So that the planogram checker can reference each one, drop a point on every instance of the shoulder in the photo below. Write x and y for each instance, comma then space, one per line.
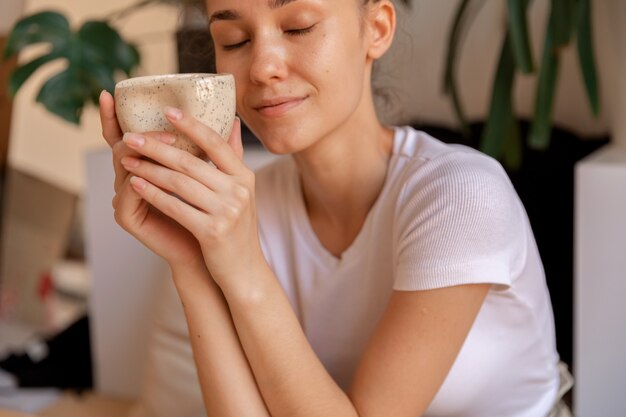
457, 216
434, 172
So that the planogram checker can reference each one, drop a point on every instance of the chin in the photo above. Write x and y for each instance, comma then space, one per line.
283, 139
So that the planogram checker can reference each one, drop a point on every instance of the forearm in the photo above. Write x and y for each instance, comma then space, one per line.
289, 374
228, 385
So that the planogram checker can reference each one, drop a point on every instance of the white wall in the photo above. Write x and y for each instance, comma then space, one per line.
49, 148
11, 9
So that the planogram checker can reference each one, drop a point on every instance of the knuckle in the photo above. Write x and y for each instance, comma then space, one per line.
218, 229
242, 194
118, 149
119, 219
232, 211
180, 182
163, 200
184, 162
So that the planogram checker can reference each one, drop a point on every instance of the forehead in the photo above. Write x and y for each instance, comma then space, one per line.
224, 10
272, 4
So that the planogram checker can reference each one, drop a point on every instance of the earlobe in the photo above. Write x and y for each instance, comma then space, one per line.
382, 26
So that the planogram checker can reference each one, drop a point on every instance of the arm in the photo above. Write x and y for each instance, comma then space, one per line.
415, 344
406, 361
228, 386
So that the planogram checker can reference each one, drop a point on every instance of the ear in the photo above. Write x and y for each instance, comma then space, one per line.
381, 22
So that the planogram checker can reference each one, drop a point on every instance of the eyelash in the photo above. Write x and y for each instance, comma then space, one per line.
293, 32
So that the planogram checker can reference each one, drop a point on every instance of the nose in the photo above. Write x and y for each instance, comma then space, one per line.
268, 61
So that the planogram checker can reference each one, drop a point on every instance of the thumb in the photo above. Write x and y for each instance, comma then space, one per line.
234, 141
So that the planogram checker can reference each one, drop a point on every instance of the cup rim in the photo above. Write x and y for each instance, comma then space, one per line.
154, 79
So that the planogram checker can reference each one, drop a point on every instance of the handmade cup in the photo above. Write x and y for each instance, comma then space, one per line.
210, 98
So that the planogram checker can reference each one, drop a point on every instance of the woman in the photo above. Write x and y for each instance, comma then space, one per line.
375, 272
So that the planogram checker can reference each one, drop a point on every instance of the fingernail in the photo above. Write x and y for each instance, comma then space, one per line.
173, 113
138, 183
134, 140
130, 162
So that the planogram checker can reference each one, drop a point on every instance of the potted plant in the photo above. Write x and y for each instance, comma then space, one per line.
95, 54
569, 21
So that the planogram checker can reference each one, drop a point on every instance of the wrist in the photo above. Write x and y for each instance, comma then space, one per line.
251, 285
189, 272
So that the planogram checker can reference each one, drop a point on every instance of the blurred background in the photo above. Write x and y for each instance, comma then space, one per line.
64, 263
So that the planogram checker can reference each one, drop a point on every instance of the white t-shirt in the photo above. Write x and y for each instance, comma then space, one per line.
447, 215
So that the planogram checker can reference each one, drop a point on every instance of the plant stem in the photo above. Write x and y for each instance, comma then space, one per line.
120, 14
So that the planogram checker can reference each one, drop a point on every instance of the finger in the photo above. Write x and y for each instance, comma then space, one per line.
234, 140
121, 151
171, 206
111, 130
190, 190
216, 148
178, 160
130, 208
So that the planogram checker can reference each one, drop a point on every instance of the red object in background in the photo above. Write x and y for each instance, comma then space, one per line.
46, 286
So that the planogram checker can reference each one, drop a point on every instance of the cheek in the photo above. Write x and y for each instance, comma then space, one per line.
340, 64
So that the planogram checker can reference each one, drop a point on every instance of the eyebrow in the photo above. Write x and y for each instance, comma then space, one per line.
233, 15
276, 4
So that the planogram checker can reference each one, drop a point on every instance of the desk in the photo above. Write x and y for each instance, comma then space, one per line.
73, 405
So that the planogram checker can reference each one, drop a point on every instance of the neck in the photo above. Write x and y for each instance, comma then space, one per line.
343, 174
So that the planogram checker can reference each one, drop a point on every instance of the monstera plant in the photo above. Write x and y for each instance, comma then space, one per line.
569, 21
95, 53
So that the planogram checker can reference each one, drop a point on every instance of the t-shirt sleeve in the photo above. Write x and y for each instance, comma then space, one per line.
459, 221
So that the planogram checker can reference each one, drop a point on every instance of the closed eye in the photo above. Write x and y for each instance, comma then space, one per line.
234, 46
293, 32
298, 32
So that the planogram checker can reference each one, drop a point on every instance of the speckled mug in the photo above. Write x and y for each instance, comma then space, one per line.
210, 98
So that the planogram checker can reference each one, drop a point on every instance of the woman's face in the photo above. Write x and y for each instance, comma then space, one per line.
300, 65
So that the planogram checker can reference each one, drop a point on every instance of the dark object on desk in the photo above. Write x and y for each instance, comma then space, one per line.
61, 361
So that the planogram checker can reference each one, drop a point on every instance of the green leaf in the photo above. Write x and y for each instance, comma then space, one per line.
94, 55
102, 45
64, 95
454, 46
46, 26
98, 79
513, 149
501, 111
546, 86
586, 54
23, 72
561, 21
518, 30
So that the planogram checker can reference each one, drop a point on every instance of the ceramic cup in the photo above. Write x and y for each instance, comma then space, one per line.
210, 98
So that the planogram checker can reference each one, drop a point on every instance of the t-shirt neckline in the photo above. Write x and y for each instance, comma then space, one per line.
302, 224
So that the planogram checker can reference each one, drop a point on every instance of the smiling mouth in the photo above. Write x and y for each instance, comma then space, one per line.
280, 106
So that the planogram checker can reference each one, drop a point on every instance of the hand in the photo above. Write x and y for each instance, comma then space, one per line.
214, 203
158, 232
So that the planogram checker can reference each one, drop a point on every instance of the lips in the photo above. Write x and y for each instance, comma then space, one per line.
278, 106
